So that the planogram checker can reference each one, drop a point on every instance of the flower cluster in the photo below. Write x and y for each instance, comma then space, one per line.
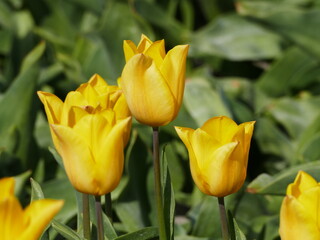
90, 130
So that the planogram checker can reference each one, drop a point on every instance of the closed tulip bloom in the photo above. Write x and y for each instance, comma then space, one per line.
300, 210
153, 81
90, 130
218, 153
17, 223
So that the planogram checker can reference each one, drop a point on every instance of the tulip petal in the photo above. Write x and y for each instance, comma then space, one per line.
77, 158
144, 44
10, 214
221, 128
173, 70
148, 95
111, 158
157, 52
224, 175
302, 182
52, 105
7, 187
37, 216
295, 222
129, 49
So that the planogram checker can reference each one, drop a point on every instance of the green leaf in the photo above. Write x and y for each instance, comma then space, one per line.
20, 181
202, 101
277, 185
132, 206
149, 233
206, 218
235, 231
297, 26
65, 231
296, 69
168, 197
36, 191
235, 38
16, 126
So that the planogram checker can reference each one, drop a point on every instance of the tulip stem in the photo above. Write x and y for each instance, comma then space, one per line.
223, 219
86, 216
157, 184
99, 218
108, 206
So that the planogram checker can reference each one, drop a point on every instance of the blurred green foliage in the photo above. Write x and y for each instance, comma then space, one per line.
249, 60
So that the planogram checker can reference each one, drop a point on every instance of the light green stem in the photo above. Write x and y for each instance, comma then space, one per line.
223, 219
86, 216
99, 218
157, 184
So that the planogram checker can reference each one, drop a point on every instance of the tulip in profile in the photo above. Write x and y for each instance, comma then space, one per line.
300, 210
90, 130
17, 223
218, 153
153, 80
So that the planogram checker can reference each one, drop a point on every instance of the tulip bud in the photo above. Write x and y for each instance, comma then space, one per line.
153, 81
218, 153
300, 209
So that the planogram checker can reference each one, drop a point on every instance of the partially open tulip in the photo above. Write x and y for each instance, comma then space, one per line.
90, 130
17, 223
153, 81
218, 153
300, 210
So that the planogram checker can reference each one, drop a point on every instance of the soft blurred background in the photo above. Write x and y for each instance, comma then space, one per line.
249, 60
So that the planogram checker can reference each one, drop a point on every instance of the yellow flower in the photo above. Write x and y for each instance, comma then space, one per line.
17, 223
153, 81
90, 130
300, 210
218, 153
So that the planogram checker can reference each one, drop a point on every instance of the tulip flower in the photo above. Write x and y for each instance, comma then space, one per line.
300, 210
153, 81
17, 223
218, 153
90, 130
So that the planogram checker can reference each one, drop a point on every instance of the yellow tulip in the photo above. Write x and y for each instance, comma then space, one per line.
218, 153
90, 130
17, 223
300, 210
153, 81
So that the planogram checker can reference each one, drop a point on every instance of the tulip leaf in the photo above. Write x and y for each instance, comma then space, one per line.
20, 181
272, 140
65, 231
16, 126
298, 27
206, 220
33, 56
235, 231
36, 191
133, 206
295, 69
235, 38
191, 238
202, 101
148, 233
277, 185
168, 197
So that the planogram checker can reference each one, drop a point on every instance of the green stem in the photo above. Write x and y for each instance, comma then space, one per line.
86, 216
108, 206
157, 184
223, 219
99, 218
